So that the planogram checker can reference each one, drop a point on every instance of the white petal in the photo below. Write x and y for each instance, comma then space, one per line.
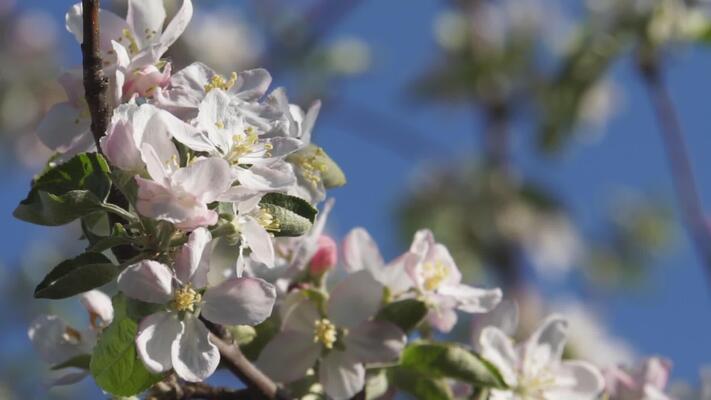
341, 375
355, 299
544, 348
360, 251
288, 356
252, 84
194, 356
146, 18
206, 178
157, 169
442, 317
472, 300
69, 378
48, 334
176, 27
148, 281
120, 148
98, 303
577, 380
375, 341
309, 244
239, 301
112, 25
154, 340
278, 176
62, 126
307, 125
499, 349
193, 260
396, 275
258, 240
298, 313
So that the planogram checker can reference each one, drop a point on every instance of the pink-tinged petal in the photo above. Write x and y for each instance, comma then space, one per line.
54, 340
278, 176
186, 90
577, 380
146, 20
355, 299
470, 299
288, 356
422, 242
309, 244
442, 317
504, 316
439, 253
157, 134
245, 200
375, 342
183, 132
62, 126
148, 281
251, 84
498, 349
193, 260
299, 314
206, 178
396, 275
99, 306
144, 81
69, 378
341, 375
122, 59
177, 26
360, 251
239, 301
120, 148
154, 340
194, 356
544, 348
326, 256
155, 166
258, 240
186, 212
73, 83
656, 372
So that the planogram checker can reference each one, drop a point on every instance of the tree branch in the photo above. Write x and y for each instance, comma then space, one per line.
95, 83
171, 389
682, 173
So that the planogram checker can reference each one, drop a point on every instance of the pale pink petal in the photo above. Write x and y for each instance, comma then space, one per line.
470, 299
288, 356
206, 178
98, 304
258, 240
50, 338
355, 299
360, 251
120, 148
341, 375
193, 260
396, 275
194, 356
146, 20
298, 313
442, 317
375, 342
277, 176
62, 126
251, 84
154, 340
656, 372
239, 301
148, 281
498, 349
546, 344
577, 380
112, 26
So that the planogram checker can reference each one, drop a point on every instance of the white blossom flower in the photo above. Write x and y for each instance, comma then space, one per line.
647, 382
533, 370
175, 337
342, 340
438, 279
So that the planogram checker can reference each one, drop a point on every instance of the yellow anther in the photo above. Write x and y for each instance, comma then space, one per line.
218, 82
71, 335
267, 220
242, 144
220, 125
434, 273
132, 45
325, 333
185, 299
312, 167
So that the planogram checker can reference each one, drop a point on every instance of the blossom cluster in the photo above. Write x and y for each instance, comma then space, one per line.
207, 162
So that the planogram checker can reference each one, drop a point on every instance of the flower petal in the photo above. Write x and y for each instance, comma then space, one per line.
442, 316
148, 281
251, 84
239, 301
206, 178
355, 299
375, 341
288, 356
544, 348
146, 18
193, 260
360, 251
69, 378
62, 126
98, 304
277, 176
472, 300
298, 313
154, 341
258, 240
51, 339
499, 349
577, 380
341, 375
194, 356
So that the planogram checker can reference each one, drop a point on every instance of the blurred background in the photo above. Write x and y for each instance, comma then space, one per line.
523, 132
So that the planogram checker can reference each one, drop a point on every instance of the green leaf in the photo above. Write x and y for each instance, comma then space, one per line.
77, 275
406, 314
66, 192
419, 385
292, 203
114, 364
289, 223
81, 361
441, 360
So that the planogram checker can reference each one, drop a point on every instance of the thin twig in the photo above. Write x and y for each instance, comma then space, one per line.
682, 172
172, 389
95, 83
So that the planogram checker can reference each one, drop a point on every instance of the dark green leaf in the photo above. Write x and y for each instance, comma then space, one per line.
77, 275
66, 192
419, 385
406, 314
451, 361
292, 203
81, 361
289, 223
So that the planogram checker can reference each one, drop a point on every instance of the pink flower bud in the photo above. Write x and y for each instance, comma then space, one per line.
145, 81
326, 256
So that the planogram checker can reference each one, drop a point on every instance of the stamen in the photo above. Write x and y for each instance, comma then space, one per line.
434, 273
218, 82
185, 299
325, 333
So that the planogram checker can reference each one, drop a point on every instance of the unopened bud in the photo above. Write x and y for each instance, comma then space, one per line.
325, 258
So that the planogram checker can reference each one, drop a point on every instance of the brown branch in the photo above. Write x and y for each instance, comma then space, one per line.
95, 83
693, 214
171, 389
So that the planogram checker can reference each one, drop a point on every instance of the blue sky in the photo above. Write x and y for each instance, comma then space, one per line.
670, 315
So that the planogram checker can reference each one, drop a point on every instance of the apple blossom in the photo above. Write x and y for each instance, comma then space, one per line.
175, 337
325, 258
342, 340
647, 382
533, 370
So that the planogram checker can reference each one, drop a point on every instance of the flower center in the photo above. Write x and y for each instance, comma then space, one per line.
325, 333
185, 298
267, 220
242, 144
312, 167
219, 82
534, 387
434, 273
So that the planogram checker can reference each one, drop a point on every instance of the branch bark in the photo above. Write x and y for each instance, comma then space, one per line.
693, 214
95, 83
